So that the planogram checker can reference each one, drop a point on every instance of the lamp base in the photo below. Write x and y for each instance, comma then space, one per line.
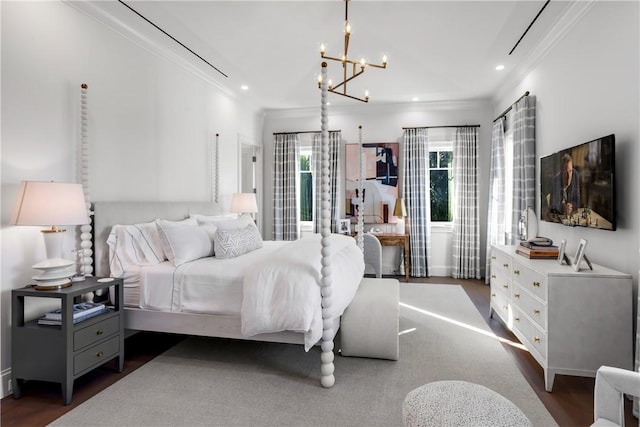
55, 273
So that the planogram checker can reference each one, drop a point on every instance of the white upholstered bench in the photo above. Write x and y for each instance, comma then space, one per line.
459, 403
369, 326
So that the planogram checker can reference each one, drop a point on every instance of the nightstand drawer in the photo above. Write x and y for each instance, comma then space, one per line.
96, 355
96, 332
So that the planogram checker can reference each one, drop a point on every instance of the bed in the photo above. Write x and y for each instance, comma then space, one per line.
186, 299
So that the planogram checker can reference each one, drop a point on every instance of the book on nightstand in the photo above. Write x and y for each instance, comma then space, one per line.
81, 311
538, 252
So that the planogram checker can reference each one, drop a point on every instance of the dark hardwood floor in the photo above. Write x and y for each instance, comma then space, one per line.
570, 403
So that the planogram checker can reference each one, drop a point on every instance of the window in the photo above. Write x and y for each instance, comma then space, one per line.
306, 186
441, 184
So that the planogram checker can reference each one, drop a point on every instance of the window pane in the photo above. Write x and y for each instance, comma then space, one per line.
306, 197
440, 203
305, 161
446, 159
433, 159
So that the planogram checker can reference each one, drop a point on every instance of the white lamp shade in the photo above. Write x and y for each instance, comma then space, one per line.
244, 203
49, 204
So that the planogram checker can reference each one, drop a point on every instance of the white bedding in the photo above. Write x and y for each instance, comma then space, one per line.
274, 288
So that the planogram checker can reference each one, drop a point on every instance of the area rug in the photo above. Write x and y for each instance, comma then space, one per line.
219, 382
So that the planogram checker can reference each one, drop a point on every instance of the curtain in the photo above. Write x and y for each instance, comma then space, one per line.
285, 186
466, 214
415, 187
524, 160
335, 163
495, 216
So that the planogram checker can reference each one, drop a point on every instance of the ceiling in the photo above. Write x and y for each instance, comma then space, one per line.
437, 50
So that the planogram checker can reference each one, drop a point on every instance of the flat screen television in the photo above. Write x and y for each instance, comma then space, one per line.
577, 185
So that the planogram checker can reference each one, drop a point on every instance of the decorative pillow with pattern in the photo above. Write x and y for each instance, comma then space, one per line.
235, 242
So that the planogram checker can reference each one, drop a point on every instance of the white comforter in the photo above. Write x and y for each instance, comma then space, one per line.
282, 293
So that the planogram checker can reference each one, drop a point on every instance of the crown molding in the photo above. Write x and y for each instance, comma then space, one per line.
405, 107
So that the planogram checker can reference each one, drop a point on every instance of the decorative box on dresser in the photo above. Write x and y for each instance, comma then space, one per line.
62, 353
572, 322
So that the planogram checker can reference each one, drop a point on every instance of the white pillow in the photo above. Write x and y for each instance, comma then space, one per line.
226, 222
234, 242
147, 240
185, 241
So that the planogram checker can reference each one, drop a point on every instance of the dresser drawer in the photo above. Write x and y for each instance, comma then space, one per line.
500, 304
530, 280
96, 332
531, 336
96, 355
500, 264
530, 305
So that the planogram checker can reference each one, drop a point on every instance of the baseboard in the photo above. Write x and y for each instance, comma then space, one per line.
5, 383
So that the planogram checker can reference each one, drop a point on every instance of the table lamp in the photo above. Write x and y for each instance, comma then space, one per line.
400, 211
244, 203
51, 204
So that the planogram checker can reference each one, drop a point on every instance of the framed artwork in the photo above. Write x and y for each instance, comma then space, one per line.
344, 225
380, 180
577, 260
561, 255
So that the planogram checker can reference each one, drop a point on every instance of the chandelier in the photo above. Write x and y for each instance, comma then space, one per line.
350, 68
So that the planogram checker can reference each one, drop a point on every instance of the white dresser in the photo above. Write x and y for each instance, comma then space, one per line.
572, 322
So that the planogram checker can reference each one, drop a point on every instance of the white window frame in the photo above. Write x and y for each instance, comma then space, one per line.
442, 145
306, 143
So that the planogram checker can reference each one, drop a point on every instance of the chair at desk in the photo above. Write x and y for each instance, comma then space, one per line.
373, 253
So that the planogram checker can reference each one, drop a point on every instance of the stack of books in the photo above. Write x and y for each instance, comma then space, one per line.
81, 311
534, 251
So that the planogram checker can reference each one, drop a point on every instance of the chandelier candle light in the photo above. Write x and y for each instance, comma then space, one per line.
350, 68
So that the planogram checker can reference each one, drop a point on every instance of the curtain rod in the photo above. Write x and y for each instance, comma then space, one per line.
439, 127
302, 131
504, 113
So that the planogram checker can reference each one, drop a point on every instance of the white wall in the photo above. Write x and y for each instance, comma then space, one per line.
384, 123
151, 123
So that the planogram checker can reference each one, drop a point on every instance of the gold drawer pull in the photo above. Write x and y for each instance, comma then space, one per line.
505, 265
516, 272
505, 307
99, 332
505, 286
493, 276
517, 319
536, 284
516, 295
493, 295
536, 311
99, 354
536, 339
493, 257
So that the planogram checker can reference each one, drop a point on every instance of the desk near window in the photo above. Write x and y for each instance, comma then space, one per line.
394, 239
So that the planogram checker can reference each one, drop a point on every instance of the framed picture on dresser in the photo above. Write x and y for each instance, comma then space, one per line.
561, 254
577, 260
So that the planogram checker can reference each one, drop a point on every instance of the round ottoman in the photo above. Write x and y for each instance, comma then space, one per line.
459, 403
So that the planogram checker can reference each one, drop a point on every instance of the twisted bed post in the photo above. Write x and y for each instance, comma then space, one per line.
360, 216
326, 368
86, 236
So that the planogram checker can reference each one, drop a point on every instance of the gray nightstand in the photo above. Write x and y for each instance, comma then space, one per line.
63, 353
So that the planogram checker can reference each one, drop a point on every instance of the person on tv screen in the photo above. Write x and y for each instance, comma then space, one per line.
565, 198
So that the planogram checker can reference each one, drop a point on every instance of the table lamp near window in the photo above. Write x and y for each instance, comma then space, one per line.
51, 204
244, 203
401, 212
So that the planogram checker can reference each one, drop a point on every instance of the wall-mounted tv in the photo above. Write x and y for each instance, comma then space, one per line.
577, 185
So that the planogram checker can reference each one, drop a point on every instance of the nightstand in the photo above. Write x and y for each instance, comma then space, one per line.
62, 353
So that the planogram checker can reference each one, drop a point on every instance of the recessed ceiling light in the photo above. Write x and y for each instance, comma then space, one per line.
415, 98
499, 67
244, 87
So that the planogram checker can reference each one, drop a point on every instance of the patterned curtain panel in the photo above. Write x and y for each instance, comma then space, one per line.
524, 160
495, 217
335, 165
415, 185
466, 214
285, 186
